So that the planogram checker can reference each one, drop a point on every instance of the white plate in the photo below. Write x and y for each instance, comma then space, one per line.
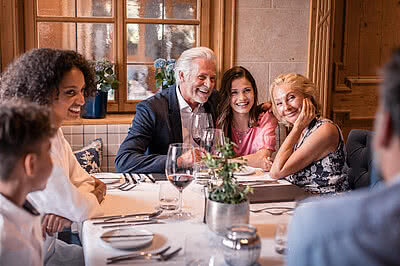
246, 170
110, 179
130, 242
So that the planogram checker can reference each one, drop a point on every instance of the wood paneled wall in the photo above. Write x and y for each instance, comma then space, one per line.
365, 32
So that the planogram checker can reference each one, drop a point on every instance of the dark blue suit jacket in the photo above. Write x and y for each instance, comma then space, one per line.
157, 124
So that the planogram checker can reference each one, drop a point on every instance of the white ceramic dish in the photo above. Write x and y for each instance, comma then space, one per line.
110, 179
128, 238
246, 170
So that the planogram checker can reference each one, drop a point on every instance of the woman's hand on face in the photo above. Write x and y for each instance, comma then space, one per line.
307, 114
53, 223
100, 189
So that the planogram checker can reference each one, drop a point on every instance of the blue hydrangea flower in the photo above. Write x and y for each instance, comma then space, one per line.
160, 63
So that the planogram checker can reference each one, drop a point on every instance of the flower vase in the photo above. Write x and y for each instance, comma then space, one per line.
95, 107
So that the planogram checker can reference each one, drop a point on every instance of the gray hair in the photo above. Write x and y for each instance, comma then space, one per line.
185, 61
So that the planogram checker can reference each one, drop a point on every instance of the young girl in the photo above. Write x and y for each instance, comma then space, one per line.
242, 121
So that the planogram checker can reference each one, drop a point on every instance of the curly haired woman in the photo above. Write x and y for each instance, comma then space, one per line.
58, 79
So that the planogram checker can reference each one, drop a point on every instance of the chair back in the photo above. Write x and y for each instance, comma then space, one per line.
359, 157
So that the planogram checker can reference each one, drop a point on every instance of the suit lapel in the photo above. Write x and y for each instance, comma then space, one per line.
174, 116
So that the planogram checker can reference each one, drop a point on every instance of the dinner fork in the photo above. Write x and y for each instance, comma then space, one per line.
132, 255
160, 257
131, 184
126, 183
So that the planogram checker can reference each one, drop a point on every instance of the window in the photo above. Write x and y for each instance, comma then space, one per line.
130, 33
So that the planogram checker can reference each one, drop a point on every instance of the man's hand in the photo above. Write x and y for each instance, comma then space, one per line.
99, 189
53, 223
189, 157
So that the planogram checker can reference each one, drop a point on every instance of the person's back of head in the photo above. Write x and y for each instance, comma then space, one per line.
386, 141
390, 90
23, 127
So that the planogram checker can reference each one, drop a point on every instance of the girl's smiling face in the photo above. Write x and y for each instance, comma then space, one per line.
67, 104
242, 96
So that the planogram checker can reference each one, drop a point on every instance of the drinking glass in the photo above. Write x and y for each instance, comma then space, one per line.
200, 122
211, 139
281, 238
179, 170
168, 197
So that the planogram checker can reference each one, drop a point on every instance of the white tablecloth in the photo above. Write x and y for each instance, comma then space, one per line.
144, 198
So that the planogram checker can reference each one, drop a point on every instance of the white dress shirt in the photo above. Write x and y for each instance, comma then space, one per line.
186, 117
21, 239
68, 191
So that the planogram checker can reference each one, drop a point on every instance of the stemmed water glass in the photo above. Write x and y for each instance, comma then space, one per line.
200, 122
179, 170
212, 139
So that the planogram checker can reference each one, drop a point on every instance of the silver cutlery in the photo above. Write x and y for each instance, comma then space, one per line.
280, 212
151, 178
149, 214
133, 179
160, 257
135, 254
126, 236
126, 182
272, 208
128, 185
129, 224
146, 219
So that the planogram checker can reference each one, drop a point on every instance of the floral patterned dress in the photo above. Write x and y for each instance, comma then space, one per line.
326, 175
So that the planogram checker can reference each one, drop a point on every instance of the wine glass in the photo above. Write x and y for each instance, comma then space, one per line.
179, 169
212, 138
200, 122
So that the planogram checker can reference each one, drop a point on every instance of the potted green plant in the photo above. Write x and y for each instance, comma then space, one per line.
106, 80
227, 201
164, 73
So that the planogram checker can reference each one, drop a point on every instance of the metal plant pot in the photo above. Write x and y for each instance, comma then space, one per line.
221, 216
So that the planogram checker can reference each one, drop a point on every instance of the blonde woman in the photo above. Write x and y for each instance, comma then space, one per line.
312, 155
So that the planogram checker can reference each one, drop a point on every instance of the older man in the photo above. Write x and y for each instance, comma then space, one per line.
362, 227
165, 117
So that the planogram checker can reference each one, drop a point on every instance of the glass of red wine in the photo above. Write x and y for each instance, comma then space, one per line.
200, 122
179, 170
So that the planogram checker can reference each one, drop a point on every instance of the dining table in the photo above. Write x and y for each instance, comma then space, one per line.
173, 231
